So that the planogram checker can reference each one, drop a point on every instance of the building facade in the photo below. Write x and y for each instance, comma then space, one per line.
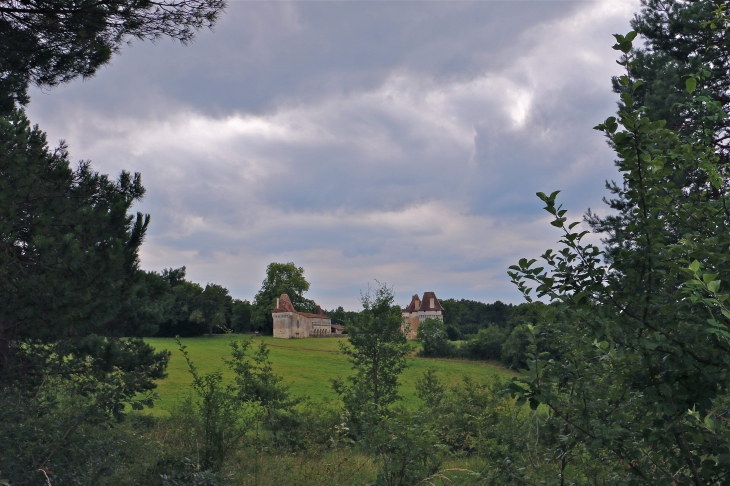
419, 310
288, 323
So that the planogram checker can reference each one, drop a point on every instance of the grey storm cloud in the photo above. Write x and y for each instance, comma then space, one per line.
402, 141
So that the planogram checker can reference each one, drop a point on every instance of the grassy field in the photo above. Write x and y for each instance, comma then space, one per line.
306, 365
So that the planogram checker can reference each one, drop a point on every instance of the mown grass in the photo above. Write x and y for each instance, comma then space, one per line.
307, 366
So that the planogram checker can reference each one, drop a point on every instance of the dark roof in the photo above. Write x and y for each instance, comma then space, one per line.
285, 305
412, 307
426, 302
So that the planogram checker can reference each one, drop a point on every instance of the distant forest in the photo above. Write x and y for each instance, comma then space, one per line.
166, 304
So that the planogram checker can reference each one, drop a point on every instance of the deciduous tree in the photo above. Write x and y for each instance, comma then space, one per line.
281, 278
432, 334
377, 351
646, 353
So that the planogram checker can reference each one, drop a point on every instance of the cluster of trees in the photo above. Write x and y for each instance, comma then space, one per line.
341, 316
499, 332
464, 317
166, 304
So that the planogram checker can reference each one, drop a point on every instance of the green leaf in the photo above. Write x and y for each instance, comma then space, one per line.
693, 413
694, 266
714, 286
691, 85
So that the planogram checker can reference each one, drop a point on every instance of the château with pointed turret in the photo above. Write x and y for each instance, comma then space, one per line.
419, 310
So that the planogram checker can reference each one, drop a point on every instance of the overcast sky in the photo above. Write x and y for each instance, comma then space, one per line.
398, 141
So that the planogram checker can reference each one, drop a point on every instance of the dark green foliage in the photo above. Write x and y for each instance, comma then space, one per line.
686, 43
341, 316
69, 268
256, 382
507, 343
429, 389
377, 350
468, 316
469, 414
514, 445
150, 303
310, 426
183, 308
407, 448
682, 37
53, 436
69, 248
281, 278
216, 307
215, 414
515, 348
432, 334
48, 42
644, 342
188, 473
487, 344
454, 333
241, 316
69, 261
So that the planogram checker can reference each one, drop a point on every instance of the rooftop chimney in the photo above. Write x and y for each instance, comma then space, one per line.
277, 302
432, 304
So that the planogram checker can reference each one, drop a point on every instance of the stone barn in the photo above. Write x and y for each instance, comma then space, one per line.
288, 323
419, 310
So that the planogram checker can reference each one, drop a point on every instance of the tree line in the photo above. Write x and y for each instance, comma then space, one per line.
165, 304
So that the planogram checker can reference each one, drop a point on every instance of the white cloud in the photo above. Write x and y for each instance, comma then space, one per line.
389, 140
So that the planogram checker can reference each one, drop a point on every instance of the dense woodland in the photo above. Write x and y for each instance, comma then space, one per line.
625, 346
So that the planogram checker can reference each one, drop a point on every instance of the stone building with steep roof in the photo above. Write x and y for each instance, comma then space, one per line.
419, 310
288, 323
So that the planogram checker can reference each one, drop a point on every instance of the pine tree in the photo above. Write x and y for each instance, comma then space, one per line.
68, 259
47, 42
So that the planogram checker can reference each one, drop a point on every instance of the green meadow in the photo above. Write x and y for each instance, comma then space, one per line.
307, 366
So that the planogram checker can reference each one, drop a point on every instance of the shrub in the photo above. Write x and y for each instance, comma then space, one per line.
487, 344
432, 334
